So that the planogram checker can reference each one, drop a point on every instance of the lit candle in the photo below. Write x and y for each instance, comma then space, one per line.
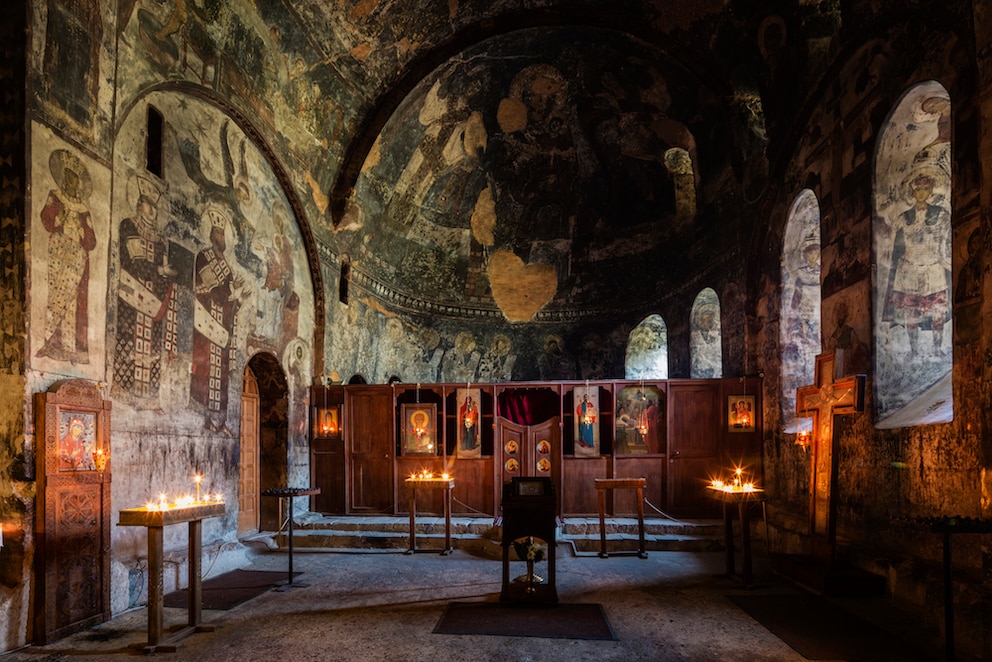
444, 476
197, 479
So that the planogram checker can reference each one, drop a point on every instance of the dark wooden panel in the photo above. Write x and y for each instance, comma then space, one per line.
578, 492
473, 492
695, 430
327, 460
649, 467
512, 441
369, 414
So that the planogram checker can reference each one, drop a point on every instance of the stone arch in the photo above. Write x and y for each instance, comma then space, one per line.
288, 188
273, 432
222, 208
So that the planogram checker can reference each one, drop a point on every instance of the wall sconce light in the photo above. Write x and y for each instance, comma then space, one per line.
100, 461
804, 436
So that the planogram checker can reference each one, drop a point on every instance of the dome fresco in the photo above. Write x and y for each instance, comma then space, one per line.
535, 158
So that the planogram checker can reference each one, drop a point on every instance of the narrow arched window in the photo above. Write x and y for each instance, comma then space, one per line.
647, 350
153, 141
705, 340
912, 247
679, 164
344, 279
799, 319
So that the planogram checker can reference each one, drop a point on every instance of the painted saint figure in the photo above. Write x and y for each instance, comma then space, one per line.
146, 289
70, 242
468, 415
217, 293
919, 283
76, 448
587, 418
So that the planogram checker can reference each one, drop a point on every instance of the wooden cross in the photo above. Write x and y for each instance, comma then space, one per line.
829, 396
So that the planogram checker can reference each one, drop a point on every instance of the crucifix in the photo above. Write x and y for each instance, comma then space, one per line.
830, 395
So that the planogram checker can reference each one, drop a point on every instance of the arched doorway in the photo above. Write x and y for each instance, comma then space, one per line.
248, 496
264, 442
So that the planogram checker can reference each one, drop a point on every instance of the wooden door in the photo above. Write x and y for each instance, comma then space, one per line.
694, 430
248, 496
530, 451
327, 456
369, 443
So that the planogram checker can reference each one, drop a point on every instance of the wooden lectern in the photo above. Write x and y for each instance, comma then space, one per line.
529, 511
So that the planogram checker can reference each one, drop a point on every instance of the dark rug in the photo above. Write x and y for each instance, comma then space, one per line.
819, 630
562, 621
231, 588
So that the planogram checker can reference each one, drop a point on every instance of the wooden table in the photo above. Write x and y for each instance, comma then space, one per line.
743, 499
439, 483
603, 484
289, 493
155, 521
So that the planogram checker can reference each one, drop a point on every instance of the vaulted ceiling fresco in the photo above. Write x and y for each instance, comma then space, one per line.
516, 155
534, 163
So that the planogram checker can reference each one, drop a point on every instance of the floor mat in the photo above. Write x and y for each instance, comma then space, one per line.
230, 589
562, 621
819, 630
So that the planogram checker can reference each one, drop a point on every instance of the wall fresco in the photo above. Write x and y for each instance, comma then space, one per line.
799, 329
530, 181
206, 267
706, 336
68, 257
647, 351
72, 54
912, 240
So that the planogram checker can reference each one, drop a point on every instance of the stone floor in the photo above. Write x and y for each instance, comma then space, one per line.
383, 605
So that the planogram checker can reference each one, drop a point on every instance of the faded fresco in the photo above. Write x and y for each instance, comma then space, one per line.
845, 332
799, 329
69, 257
705, 340
912, 242
73, 52
379, 346
206, 268
647, 350
468, 178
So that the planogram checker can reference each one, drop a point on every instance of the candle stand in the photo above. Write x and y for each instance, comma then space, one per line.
289, 493
743, 499
155, 521
603, 484
415, 483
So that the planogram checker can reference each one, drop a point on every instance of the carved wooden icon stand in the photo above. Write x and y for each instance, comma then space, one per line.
72, 526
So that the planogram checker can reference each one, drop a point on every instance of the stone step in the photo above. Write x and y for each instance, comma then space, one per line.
575, 535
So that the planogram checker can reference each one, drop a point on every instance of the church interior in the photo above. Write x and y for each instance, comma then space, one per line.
359, 254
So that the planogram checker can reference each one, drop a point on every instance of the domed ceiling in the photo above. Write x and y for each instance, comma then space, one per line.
509, 159
540, 168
